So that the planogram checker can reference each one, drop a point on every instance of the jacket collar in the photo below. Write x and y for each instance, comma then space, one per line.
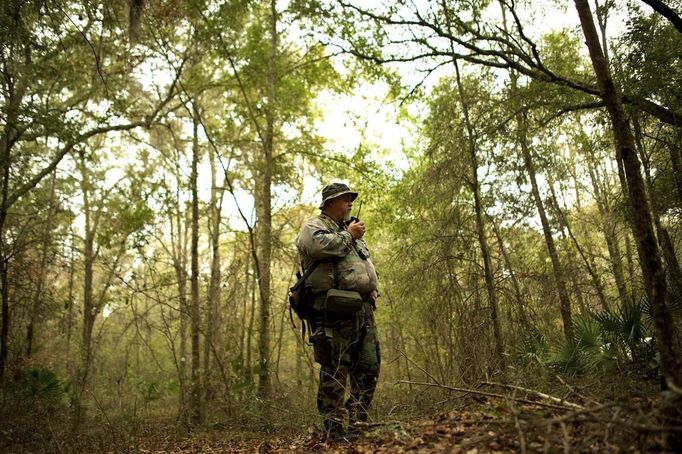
329, 219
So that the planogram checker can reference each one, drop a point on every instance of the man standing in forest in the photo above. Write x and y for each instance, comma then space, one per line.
342, 290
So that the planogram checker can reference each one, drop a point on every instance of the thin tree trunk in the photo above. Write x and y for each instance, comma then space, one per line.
602, 16
589, 264
676, 161
4, 295
674, 274
523, 317
642, 222
89, 309
559, 276
81, 373
630, 260
672, 266
4, 253
245, 309
69, 308
299, 363
42, 270
264, 207
280, 340
19, 45
480, 226
249, 331
570, 265
195, 319
609, 229
214, 290
179, 252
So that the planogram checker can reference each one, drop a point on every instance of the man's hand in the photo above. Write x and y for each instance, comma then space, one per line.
356, 229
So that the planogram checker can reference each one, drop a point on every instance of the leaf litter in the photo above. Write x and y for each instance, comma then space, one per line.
481, 428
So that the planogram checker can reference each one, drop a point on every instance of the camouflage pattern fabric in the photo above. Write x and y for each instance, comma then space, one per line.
322, 238
346, 349
349, 357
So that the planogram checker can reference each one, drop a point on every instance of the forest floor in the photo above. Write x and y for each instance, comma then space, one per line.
485, 426
492, 418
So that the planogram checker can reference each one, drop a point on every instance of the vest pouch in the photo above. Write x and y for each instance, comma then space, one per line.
342, 303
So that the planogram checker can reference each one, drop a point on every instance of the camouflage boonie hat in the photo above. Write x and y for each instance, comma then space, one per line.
334, 190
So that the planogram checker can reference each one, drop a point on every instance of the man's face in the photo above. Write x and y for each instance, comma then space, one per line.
341, 206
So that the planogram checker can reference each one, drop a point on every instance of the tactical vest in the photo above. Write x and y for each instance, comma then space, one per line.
354, 271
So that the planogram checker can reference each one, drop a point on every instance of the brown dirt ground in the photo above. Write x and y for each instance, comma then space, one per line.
486, 427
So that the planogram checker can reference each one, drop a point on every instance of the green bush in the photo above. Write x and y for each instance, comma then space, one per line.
40, 383
586, 352
531, 348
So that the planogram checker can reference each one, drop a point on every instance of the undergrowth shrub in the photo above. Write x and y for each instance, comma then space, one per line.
621, 337
584, 353
31, 404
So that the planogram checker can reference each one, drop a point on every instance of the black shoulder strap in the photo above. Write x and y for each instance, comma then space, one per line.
301, 282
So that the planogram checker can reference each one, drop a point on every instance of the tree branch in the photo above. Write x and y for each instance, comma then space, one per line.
667, 12
487, 394
537, 393
502, 52
149, 119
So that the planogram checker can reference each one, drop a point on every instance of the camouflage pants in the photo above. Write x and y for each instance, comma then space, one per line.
349, 352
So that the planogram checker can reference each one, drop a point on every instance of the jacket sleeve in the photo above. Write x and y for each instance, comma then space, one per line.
317, 241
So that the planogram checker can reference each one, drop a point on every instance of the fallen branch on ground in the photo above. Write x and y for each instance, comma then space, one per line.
487, 394
537, 393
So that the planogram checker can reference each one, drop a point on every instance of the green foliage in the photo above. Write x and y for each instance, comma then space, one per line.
651, 48
624, 326
532, 347
585, 353
40, 383
602, 340
433, 312
149, 391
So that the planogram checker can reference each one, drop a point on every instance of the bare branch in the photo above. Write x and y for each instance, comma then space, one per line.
487, 394
488, 49
537, 393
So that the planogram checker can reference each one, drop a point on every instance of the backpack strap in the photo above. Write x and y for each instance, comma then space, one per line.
299, 287
301, 281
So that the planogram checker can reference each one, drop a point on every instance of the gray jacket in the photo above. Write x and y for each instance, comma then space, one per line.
321, 238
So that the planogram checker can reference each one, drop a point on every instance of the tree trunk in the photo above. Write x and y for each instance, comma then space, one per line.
521, 308
89, 309
559, 276
42, 270
676, 161
249, 330
264, 211
214, 290
69, 307
672, 266
642, 222
179, 252
630, 261
18, 43
674, 273
480, 226
4, 253
195, 412
245, 297
609, 229
4, 295
589, 264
